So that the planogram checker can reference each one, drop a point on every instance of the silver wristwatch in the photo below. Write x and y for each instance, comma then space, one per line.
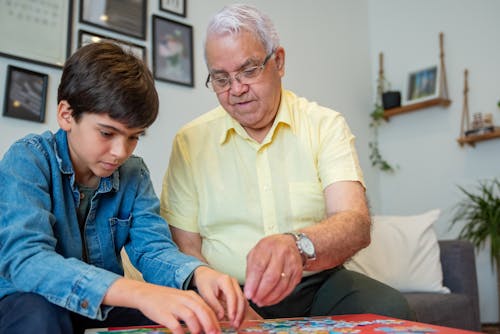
305, 247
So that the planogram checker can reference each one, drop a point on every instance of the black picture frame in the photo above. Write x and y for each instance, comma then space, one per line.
36, 31
177, 7
172, 51
126, 17
25, 94
85, 37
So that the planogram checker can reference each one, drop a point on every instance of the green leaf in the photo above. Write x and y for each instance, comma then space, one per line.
480, 211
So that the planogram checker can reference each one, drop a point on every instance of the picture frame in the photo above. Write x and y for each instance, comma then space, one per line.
127, 17
25, 94
86, 37
36, 31
172, 51
177, 7
422, 84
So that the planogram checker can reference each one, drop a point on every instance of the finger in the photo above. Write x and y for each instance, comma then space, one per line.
283, 289
212, 299
256, 266
173, 324
238, 309
192, 322
199, 317
270, 281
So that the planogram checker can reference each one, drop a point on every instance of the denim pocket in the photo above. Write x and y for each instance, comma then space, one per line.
120, 230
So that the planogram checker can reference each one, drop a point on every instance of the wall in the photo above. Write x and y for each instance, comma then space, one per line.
423, 143
320, 63
332, 48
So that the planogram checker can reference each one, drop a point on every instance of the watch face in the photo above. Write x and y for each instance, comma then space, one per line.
307, 246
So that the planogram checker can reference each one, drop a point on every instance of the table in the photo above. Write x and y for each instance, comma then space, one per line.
353, 323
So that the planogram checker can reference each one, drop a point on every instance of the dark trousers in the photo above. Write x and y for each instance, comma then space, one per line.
31, 313
339, 291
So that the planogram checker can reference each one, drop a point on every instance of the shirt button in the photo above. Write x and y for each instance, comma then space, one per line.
84, 304
82, 195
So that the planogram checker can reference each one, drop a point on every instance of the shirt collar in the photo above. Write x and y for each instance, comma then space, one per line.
232, 127
107, 184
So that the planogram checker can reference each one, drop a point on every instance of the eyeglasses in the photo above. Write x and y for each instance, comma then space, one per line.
221, 82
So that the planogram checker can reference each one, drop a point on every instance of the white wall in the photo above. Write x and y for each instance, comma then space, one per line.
332, 48
322, 65
423, 143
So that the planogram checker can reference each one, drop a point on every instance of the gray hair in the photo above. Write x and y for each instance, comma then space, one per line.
237, 17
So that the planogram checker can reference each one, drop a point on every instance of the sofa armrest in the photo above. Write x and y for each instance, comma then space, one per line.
459, 269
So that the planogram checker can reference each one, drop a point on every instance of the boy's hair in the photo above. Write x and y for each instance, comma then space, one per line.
103, 78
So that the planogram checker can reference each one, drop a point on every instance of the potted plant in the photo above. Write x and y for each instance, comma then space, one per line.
377, 118
480, 210
376, 158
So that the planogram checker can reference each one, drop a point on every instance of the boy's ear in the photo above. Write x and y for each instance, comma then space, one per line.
64, 115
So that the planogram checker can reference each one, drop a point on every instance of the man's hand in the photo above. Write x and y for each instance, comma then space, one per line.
222, 293
274, 268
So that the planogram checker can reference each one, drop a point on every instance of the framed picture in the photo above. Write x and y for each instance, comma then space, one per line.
126, 17
177, 7
86, 37
36, 31
25, 94
172, 51
422, 85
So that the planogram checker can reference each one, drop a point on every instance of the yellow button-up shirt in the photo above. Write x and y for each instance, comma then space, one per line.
234, 191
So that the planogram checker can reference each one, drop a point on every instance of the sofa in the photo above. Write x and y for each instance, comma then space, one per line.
460, 307
437, 277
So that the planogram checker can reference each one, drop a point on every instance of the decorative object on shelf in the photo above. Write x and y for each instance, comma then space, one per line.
442, 87
86, 37
25, 94
422, 85
377, 118
177, 7
172, 51
36, 31
391, 99
482, 125
126, 17
480, 210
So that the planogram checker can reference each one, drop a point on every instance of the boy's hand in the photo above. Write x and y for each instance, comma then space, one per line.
165, 306
222, 293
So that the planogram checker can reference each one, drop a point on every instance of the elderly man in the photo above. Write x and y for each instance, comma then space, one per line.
267, 186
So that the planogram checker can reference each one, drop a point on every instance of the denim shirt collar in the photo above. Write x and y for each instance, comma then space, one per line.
107, 184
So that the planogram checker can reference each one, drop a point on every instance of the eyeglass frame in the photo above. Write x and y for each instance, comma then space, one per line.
236, 76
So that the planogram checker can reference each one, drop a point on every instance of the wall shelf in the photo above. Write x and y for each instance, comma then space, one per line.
442, 100
472, 139
439, 101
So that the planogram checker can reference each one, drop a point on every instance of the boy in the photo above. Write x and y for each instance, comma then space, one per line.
70, 201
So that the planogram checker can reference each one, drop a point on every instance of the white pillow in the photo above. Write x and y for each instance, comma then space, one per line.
403, 253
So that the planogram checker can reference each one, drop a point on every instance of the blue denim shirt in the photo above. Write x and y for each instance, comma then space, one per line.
40, 243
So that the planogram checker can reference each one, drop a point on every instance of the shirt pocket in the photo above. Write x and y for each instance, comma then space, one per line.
307, 204
120, 230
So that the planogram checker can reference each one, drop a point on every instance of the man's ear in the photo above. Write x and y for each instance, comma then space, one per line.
64, 115
280, 60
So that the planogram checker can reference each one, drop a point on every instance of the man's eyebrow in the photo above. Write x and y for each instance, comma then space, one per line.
249, 61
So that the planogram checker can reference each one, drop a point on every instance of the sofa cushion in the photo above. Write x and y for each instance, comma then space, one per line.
403, 253
452, 309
